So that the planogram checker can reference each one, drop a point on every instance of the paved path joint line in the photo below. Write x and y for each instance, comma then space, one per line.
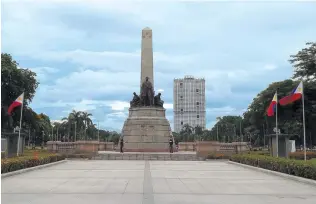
148, 196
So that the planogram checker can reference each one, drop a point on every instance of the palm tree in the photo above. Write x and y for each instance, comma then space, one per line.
75, 118
87, 121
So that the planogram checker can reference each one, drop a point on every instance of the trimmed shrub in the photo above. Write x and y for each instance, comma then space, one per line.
17, 163
217, 156
79, 156
289, 166
300, 155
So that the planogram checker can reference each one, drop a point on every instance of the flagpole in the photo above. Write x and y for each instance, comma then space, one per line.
304, 131
18, 148
276, 126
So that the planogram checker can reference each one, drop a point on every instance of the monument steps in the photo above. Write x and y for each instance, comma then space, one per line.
160, 156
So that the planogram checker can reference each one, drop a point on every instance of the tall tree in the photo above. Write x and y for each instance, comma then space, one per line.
87, 121
14, 81
304, 62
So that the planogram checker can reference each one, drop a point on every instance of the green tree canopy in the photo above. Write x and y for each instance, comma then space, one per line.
257, 123
304, 62
15, 80
227, 129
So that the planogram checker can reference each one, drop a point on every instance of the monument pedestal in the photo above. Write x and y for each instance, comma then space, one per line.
284, 145
9, 143
146, 130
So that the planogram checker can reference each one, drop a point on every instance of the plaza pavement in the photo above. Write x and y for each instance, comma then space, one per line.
152, 182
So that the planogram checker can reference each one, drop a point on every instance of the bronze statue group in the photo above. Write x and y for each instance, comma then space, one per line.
147, 97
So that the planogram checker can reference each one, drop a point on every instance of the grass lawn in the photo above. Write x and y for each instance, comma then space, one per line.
313, 161
30, 158
29, 154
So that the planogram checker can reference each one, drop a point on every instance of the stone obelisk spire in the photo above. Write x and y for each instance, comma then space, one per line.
147, 68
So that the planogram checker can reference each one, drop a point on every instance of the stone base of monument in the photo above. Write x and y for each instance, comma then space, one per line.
146, 130
162, 156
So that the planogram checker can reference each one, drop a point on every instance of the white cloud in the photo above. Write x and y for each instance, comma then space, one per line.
270, 67
44, 69
119, 105
222, 111
43, 73
168, 106
226, 109
110, 60
117, 115
85, 105
56, 121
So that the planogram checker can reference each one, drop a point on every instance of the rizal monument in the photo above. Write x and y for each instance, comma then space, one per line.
146, 129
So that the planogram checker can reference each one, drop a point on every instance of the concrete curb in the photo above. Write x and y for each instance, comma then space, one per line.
275, 173
21, 171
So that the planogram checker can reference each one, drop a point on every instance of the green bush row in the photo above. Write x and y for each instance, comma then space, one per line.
289, 166
79, 156
14, 164
217, 156
300, 155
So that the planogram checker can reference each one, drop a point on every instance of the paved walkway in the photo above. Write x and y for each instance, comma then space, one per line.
149, 182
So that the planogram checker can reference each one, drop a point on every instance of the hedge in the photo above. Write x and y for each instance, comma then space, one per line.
289, 166
79, 156
217, 156
17, 163
300, 155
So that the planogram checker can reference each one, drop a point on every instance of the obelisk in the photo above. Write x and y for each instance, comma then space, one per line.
146, 129
147, 67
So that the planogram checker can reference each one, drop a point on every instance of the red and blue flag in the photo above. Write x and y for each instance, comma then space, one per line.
295, 95
273, 105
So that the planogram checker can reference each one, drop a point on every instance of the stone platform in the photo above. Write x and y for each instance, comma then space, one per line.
146, 130
162, 156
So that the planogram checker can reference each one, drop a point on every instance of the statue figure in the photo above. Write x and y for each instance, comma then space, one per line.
136, 101
147, 93
158, 101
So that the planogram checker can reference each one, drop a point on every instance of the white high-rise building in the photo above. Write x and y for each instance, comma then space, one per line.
189, 102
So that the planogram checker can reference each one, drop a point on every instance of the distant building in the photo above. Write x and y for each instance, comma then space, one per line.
189, 102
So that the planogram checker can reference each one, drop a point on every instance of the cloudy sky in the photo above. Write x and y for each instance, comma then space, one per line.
87, 53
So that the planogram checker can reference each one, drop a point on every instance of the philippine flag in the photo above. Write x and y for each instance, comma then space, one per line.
272, 107
295, 95
16, 103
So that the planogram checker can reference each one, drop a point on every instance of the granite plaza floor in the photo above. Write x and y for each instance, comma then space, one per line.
152, 182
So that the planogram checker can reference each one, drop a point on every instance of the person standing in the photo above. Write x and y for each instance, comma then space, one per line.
121, 145
171, 145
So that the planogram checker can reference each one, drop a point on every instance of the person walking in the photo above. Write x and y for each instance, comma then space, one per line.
171, 145
121, 145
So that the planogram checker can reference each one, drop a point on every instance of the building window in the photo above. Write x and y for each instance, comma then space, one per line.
181, 109
181, 85
181, 97
181, 122
198, 116
197, 90
197, 103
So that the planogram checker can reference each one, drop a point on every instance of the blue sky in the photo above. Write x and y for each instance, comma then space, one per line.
87, 53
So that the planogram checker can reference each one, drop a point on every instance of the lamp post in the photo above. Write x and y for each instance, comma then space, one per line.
217, 121
75, 138
98, 131
53, 132
241, 136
